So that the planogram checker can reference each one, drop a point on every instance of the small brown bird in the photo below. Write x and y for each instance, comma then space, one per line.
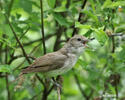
61, 61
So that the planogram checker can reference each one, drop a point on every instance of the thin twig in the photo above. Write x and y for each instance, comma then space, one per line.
58, 93
58, 36
113, 45
19, 56
52, 87
116, 90
40, 79
37, 40
78, 83
79, 86
79, 18
34, 41
7, 87
42, 26
10, 7
24, 33
7, 82
24, 53
34, 49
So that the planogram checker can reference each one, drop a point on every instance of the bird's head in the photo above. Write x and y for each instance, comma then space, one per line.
78, 41
76, 44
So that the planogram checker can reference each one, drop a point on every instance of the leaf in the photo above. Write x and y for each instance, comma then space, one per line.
110, 4
51, 3
6, 68
77, 24
88, 33
90, 14
60, 9
121, 53
60, 19
26, 5
107, 2
100, 35
82, 63
7, 42
120, 28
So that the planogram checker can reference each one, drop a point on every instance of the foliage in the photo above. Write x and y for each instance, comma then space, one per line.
100, 71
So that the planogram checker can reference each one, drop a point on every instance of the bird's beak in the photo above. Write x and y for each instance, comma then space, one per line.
85, 42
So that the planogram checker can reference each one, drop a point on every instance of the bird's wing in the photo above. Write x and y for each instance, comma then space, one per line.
46, 63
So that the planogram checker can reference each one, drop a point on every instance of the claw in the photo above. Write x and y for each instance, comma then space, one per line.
56, 83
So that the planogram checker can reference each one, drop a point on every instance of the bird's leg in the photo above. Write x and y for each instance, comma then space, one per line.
55, 82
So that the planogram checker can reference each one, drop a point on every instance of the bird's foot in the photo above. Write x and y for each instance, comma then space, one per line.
56, 83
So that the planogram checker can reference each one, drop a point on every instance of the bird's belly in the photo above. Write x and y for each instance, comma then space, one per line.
67, 66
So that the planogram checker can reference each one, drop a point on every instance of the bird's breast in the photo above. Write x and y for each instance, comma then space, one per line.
69, 63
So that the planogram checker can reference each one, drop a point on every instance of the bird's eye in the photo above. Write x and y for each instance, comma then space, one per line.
79, 39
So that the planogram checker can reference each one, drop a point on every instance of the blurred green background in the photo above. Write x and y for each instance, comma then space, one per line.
100, 71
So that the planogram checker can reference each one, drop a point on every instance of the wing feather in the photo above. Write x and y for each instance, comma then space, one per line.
46, 63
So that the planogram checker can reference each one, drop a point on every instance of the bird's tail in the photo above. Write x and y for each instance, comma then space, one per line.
21, 79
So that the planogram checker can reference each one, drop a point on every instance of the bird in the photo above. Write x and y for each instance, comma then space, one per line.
61, 61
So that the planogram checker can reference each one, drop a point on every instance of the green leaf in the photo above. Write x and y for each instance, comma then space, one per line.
51, 3
90, 14
82, 63
26, 5
100, 35
121, 53
110, 4
107, 2
88, 33
60, 9
78, 25
120, 28
61, 20
6, 68
7, 42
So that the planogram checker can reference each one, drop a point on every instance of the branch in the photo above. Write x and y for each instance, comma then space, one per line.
42, 26
40, 79
50, 89
7, 86
24, 53
58, 93
24, 33
113, 44
58, 36
12, 55
29, 54
79, 86
10, 7
46, 38
79, 18
19, 56
7, 82
37, 40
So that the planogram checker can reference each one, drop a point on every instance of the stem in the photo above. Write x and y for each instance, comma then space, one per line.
6, 77
79, 86
10, 7
58, 93
24, 53
113, 45
7, 87
42, 26
79, 18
